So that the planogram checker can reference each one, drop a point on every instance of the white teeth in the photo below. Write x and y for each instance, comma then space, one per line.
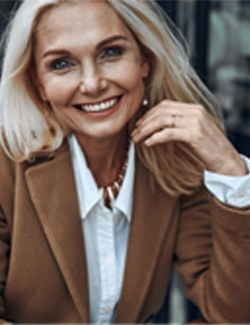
100, 107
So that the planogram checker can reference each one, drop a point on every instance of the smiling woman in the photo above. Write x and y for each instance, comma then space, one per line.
111, 150
91, 74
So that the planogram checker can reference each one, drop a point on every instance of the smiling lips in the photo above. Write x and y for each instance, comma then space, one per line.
103, 106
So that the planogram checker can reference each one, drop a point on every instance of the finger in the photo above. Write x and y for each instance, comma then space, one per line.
147, 128
170, 107
151, 126
193, 118
165, 136
155, 112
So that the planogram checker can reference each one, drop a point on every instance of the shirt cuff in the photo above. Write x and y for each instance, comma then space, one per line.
230, 190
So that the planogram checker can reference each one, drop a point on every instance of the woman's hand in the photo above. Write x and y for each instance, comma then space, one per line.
190, 124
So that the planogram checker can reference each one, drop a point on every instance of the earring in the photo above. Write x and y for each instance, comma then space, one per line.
145, 102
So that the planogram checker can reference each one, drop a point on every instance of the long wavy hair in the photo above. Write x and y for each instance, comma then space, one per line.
28, 128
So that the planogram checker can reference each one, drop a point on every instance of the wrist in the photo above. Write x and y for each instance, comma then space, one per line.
232, 167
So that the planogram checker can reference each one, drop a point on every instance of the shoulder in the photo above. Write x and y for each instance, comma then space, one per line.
14, 177
7, 168
11, 171
7, 183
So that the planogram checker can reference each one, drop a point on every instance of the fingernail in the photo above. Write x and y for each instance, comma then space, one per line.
147, 142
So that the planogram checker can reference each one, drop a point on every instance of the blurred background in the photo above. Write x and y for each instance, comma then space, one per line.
218, 34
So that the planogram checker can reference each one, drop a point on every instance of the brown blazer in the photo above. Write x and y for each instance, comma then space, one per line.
43, 276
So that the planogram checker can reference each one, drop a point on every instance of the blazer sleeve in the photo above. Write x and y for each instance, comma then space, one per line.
213, 256
6, 198
4, 253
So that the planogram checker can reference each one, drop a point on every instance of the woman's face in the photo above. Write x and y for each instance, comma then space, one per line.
89, 68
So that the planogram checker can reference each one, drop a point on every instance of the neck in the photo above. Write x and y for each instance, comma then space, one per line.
105, 157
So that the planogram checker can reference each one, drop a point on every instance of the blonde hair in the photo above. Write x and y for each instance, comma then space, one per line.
27, 127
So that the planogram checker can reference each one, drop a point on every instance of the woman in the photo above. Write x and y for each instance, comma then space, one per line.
106, 132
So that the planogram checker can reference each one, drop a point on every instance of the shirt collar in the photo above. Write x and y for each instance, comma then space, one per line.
89, 194
124, 200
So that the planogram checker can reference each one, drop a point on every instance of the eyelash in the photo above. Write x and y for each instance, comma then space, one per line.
55, 64
116, 51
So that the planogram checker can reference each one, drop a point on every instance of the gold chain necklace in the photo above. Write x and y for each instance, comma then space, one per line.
111, 192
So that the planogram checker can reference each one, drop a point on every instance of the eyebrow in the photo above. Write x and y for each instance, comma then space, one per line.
112, 39
100, 45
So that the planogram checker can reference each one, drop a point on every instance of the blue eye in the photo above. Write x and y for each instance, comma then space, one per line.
112, 52
60, 64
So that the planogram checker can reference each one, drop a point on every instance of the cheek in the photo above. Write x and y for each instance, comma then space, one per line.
128, 75
134, 96
58, 91
133, 85
65, 117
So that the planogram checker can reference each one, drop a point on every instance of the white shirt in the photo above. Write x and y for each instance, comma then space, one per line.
234, 191
106, 232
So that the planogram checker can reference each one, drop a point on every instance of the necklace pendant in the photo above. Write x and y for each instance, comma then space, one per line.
106, 197
111, 192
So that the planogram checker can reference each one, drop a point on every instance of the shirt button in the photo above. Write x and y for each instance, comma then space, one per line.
107, 310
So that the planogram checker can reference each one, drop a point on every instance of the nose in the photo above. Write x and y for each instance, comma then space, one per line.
92, 82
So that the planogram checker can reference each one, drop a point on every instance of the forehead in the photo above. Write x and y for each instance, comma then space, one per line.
87, 17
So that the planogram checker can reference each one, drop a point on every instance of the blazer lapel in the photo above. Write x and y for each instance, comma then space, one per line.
52, 189
153, 211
